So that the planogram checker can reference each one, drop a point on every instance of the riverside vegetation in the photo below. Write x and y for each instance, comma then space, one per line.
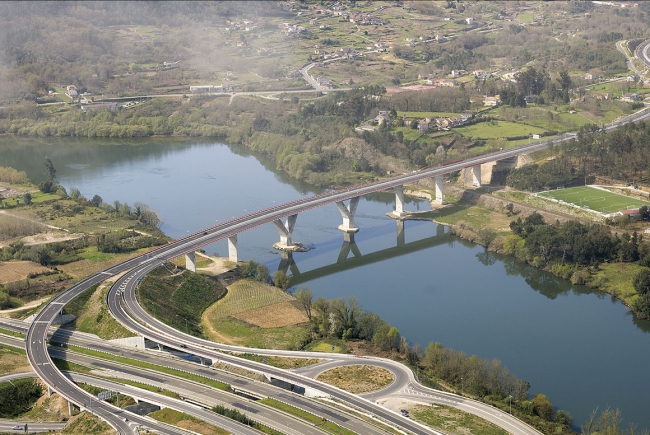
83, 236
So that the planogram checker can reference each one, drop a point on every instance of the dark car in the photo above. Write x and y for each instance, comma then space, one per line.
184, 346
405, 413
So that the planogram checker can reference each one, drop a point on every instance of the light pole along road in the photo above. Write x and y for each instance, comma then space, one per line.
37, 334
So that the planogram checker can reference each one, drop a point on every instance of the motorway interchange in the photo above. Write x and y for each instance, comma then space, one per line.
126, 309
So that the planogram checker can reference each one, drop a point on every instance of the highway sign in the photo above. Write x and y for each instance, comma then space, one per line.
104, 395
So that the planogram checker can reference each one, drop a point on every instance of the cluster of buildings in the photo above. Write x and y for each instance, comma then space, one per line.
425, 124
365, 20
323, 81
245, 25
292, 29
347, 53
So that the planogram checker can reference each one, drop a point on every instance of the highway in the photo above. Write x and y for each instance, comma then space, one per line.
643, 52
37, 334
195, 392
404, 379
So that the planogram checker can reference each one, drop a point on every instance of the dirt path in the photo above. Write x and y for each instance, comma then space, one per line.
5, 313
32, 220
213, 333
219, 264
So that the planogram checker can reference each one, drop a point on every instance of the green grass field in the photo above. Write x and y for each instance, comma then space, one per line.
594, 199
497, 129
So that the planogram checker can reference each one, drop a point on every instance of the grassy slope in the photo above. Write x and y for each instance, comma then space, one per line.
93, 316
453, 421
179, 300
188, 422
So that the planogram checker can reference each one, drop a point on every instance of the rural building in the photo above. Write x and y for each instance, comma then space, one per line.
590, 76
491, 101
631, 97
72, 91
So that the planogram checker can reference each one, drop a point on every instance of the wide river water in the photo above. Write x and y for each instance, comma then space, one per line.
581, 348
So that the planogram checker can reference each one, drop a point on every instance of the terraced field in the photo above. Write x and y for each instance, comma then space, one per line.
246, 296
256, 315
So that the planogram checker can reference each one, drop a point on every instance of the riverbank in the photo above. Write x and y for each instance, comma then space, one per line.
482, 217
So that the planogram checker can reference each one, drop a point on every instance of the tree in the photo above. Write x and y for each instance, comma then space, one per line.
262, 273
644, 213
304, 296
642, 282
49, 170
510, 208
96, 201
281, 280
563, 417
543, 406
27, 198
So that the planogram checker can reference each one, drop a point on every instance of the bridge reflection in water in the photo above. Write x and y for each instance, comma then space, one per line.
345, 261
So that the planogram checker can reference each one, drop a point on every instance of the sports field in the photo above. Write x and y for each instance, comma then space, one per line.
594, 199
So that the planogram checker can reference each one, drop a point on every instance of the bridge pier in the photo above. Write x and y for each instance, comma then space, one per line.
232, 248
399, 202
160, 347
190, 261
70, 408
49, 391
439, 190
285, 230
476, 176
348, 215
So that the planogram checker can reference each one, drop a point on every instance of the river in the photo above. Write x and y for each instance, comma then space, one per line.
581, 348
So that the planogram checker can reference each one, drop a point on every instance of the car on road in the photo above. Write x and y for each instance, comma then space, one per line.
184, 346
405, 413
17, 428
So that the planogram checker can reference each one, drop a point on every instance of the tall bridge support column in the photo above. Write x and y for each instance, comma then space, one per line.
399, 201
476, 176
190, 261
286, 230
348, 215
439, 189
232, 248
70, 408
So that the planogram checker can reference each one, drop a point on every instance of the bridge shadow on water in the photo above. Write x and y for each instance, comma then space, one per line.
350, 255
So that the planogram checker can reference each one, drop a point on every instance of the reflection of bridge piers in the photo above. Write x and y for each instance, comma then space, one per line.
345, 261
349, 245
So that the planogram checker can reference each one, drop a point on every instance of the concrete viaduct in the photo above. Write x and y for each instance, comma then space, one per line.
291, 210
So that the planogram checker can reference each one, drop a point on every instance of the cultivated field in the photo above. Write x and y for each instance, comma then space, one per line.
246, 296
594, 199
11, 271
273, 316
256, 315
